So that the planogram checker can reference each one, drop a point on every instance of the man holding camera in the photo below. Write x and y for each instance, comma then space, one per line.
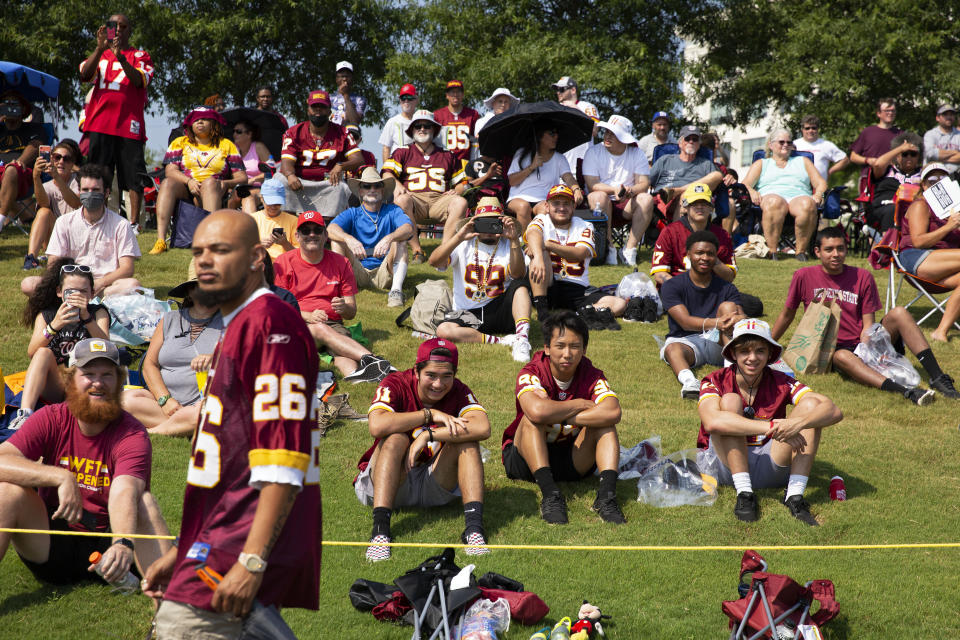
489, 296
19, 145
113, 120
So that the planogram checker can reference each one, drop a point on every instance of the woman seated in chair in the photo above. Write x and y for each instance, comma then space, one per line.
536, 168
898, 166
175, 366
61, 315
781, 185
200, 165
54, 197
930, 247
246, 135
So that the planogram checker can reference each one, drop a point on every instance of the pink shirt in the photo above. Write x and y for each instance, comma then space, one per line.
98, 246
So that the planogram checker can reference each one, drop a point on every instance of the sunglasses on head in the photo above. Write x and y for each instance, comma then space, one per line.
371, 185
935, 178
71, 268
313, 230
421, 125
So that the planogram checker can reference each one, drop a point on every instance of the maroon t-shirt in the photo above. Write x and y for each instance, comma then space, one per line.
122, 449
257, 426
854, 289
670, 251
873, 142
949, 241
458, 130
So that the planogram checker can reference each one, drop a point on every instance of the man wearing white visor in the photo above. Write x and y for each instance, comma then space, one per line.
616, 171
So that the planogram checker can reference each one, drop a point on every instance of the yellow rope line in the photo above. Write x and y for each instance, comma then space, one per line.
559, 547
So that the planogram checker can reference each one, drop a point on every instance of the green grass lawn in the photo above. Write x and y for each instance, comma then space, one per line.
899, 463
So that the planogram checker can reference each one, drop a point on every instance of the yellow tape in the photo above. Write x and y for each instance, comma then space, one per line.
559, 547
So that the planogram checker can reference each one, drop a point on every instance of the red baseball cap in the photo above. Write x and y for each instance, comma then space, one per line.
319, 96
454, 84
425, 351
310, 216
408, 90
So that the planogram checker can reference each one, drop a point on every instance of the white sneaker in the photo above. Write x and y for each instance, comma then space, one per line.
521, 350
135, 227
690, 390
629, 257
611, 255
19, 419
395, 298
509, 340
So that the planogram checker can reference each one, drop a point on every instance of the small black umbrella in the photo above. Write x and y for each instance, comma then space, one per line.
270, 124
514, 128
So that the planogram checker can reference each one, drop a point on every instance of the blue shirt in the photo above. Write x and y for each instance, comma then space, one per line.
701, 302
370, 228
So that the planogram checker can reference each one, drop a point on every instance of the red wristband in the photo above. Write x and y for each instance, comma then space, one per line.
771, 424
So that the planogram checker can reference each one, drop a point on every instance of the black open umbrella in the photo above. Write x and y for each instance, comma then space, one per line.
514, 128
270, 124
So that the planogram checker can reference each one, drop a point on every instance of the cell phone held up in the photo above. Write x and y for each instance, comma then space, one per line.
277, 232
111, 31
45, 152
488, 224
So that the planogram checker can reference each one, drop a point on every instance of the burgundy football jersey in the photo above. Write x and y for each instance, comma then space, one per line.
314, 156
435, 172
397, 393
588, 382
670, 251
257, 426
775, 392
457, 130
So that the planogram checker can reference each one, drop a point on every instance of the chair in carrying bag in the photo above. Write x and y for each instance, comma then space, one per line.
186, 217
772, 599
432, 301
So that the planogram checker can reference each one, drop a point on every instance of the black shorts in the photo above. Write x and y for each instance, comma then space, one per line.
561, 463
572, 296
124, 154
69, 557
496, 317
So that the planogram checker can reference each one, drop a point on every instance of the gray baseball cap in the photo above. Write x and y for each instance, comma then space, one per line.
86, 351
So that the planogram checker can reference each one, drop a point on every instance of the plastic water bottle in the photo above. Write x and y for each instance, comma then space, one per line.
598, 212
561, 631
126, 585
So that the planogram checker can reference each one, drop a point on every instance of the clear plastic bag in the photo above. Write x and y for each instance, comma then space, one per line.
878, 354
137, 311
678, 479
638, 458
485, 619
639, 285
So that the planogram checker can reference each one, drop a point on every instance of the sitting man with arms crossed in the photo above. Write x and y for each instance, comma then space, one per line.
855, 291
323, 284
562, 246
743, 420
566, 423
702, 310
488, 284
81, 465
427, 426
373, 236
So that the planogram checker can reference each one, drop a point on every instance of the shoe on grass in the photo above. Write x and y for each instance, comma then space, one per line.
30, 262
521, 350
606, 319
608, 509
19, 419
800, 509
476, 543
920, 397
158, 247
378, 551
943, 384
747, 509
611, 256
418, 257
370, 369
395, 298
690, 390
553, 508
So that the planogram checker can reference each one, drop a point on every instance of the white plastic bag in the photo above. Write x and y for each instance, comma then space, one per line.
639, 285
485, 619
136, 311
678, 479
638, 458
878, 354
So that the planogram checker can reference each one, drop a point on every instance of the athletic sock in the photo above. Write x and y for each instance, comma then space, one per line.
473, 517
523, 328
796, 485
686, 375
608, 483
542, 306
741, 482
544, 478
929, 362
381, 521
399, 274
488, 339
630, 255
3, 220
893, 387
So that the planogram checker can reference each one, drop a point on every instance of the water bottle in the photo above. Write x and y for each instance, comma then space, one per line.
598, 212
561, 631
126, 585
786, 630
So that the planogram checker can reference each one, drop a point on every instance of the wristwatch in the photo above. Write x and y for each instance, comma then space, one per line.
127, 542
162, 400
252, 562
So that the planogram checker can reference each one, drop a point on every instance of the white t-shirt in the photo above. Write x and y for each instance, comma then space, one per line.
535, 187
578, 152
825, 153
394, 134
615, 170
580, 233
481, 272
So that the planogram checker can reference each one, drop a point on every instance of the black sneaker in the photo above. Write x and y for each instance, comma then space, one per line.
384, 367
920, 397
30, 262
589, 315
943, 384
370, 370
650, 310
747, 509
634, 310
606, 319
801, 257
553, 508
608, 509
800, 509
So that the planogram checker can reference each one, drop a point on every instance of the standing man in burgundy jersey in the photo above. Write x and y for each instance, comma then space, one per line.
113, 120
458, 123
254, 461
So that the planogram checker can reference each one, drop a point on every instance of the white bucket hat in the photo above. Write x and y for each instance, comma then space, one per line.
423, 114
620, 127
502, 91
757, 328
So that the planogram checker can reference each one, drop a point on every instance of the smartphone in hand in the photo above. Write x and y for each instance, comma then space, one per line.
45, 152
278, 232
111, 29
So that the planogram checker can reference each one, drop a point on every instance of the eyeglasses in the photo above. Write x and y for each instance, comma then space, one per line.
407, 98
315, 230
239, 132
56, 157
71, 268
371, 185
783, 142
749, 412
418, 126
811, 128
910, 154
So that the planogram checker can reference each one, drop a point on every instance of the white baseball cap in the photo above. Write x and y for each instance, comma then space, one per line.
619, 126
343, 64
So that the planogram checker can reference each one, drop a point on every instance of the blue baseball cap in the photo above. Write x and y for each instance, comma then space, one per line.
273, 192
660, 114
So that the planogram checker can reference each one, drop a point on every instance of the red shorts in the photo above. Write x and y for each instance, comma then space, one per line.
667, 208
617, 219
24, 179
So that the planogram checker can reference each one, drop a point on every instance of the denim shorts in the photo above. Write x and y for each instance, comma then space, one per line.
911, 258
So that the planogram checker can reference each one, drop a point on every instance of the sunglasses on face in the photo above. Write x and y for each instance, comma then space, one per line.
407, 98
692, 139
239, 132
811, 128
552, 132
783, 142
910, 154
71, 268
311, 231
371, 185
420, 126
56, 157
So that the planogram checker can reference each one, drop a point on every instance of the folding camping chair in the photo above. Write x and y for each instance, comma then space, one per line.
721, 196
886, 254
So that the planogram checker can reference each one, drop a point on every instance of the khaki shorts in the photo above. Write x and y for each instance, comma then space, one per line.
379, 278
178, 621
431, 207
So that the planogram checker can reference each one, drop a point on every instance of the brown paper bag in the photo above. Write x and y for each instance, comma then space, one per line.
813, 343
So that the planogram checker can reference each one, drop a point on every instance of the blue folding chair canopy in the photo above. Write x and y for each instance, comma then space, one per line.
36, 86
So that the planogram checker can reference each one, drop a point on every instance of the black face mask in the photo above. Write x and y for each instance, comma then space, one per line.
319, 121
